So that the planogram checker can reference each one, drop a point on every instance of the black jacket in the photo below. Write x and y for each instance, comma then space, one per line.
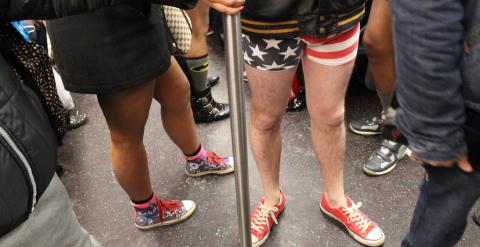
291, 18
28, 147
28, 150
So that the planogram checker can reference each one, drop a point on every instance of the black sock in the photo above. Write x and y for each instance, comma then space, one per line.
143, 201
196, 152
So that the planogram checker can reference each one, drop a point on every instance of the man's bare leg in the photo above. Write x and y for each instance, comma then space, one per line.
325, 88
269, 98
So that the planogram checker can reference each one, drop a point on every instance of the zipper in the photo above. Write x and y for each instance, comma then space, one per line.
23, 158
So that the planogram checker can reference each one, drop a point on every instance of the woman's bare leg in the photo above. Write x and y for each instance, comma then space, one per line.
126, 113
172, 91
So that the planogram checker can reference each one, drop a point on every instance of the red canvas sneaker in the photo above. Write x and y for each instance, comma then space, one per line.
262, 220
360, 227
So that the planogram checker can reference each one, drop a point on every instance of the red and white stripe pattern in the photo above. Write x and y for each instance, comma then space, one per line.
334, 50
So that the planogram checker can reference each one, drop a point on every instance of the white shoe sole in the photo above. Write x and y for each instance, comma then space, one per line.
170, 222
362, 133
262, 241
372, 243
218, 172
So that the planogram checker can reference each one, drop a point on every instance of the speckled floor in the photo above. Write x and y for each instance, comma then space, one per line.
103, 208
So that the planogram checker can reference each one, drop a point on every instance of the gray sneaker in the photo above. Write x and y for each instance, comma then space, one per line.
367, 126
210, 164
385, 158
476, 216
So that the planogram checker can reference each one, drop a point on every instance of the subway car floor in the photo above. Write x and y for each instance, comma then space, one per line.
104, 210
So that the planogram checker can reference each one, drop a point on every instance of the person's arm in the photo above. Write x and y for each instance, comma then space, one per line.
428, 48
50, 9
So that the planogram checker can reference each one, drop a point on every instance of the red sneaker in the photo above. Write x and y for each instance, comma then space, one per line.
360, 227
262, 220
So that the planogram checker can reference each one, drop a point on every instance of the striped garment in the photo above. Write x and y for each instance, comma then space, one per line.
283, 54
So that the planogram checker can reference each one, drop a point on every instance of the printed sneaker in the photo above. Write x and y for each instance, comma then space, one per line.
367, 126
358, 225
210, 164
262, 220
163, 213
385, 158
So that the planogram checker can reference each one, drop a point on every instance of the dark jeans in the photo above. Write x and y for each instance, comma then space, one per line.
446, 197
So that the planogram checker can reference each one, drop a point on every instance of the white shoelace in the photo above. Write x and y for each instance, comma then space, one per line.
357, 217
260, 218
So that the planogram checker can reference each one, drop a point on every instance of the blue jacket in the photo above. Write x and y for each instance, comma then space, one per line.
437, 48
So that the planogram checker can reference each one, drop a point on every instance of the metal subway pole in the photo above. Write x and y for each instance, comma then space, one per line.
234, 63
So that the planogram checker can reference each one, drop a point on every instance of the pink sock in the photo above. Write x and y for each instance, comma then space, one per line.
201, 154
146, 204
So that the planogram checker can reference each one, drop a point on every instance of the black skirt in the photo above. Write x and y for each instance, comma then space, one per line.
110, 50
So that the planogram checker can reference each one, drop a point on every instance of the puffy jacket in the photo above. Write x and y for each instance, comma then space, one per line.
28, 150
28, 147
291, 18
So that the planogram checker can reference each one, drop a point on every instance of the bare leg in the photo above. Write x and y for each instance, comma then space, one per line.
199, 18
378, 45
126, 113
269, 98
195, 64
325, 87
173, 93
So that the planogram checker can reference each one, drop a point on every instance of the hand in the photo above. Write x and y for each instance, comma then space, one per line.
463, 163
229, 7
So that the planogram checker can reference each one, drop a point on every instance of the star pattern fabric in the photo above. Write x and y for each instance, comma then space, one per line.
283, 54
271, 54
289, 52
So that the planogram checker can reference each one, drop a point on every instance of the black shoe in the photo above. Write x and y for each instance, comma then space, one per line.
206, 109
476, 216
59, 170
77, 119
297, 104
213, 81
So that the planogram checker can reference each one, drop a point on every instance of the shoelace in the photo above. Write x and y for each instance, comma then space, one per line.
357, 217
260, 218
213, 158
171, 205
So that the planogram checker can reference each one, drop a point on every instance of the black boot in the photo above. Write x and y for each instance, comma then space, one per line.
213, 80
206, 109
59, 170
297, 104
